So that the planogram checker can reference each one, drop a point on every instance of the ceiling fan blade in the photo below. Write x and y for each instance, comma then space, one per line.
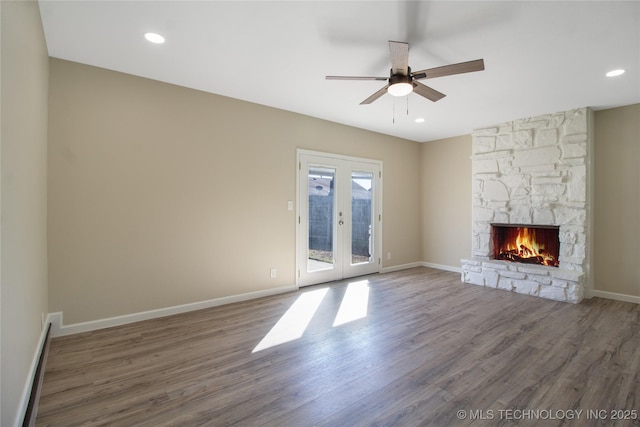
355, 78
399, 57
448, 70
375, 96
429, 93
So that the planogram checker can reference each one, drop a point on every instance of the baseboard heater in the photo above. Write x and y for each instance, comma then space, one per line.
34, 397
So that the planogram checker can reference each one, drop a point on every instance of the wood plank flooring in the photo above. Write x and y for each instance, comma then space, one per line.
430, 350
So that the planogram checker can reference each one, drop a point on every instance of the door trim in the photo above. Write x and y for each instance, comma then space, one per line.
379, 197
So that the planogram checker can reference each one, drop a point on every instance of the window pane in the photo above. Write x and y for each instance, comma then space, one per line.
320, 254
361, 217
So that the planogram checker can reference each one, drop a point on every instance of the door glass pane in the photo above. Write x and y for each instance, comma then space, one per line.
361, 217
320, 249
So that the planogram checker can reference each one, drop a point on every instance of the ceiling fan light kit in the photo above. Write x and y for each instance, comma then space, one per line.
402, 81
400, 85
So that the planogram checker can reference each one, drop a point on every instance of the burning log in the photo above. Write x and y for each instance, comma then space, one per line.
515, 256
526, 251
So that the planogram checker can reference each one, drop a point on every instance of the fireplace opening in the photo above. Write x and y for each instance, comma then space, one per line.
529, 244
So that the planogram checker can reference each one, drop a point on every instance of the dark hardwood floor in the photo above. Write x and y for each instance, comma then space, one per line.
430, 351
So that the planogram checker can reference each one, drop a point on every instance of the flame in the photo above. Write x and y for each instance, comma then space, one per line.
526, 246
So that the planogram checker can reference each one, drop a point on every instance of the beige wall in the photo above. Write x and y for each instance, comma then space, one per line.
617, 200
161, 195
446, 200
23, 198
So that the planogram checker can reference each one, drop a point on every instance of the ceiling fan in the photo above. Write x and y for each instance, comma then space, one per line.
402, 81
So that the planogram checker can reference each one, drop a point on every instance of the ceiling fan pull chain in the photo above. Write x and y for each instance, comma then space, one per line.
407, 105
393, 118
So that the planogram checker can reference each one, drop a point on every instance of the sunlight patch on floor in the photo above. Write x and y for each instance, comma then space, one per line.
355, 303
293, 323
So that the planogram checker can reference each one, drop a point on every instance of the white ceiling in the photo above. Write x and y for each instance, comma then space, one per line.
540, 57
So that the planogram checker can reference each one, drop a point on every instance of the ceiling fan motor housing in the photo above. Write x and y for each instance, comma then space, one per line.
399, 77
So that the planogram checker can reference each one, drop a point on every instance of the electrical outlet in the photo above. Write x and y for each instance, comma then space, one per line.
388, 255
274, 273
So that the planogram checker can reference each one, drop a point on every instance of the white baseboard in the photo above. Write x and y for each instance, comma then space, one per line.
400, 267
443, 267
615, 296
421, 264
26, 391
58, 328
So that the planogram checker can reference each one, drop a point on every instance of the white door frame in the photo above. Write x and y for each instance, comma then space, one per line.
302, 206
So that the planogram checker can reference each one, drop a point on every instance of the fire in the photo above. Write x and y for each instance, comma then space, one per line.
525, 248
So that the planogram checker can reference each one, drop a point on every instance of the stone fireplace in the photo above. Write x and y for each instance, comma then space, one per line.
531, 179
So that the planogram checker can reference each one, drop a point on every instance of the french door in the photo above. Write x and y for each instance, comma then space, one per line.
339, 217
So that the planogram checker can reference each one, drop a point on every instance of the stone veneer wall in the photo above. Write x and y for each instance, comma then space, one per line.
533, 171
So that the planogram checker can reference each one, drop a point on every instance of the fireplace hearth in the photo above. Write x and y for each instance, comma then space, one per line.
527, 244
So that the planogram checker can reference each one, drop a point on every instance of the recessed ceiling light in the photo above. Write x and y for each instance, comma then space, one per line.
614, 73
154, 38
419, 120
